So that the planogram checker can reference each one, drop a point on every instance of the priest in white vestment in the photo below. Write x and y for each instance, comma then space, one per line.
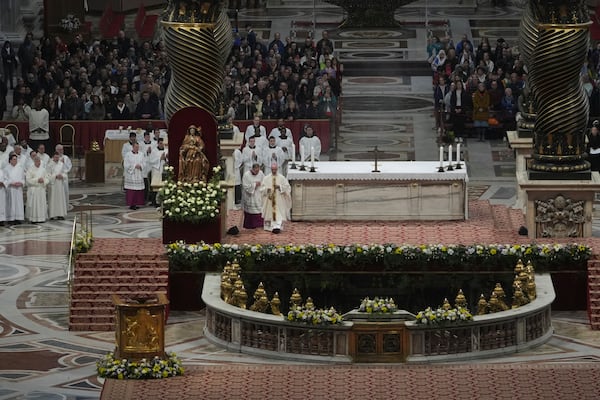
57, 200
37, 180
15, 180
67, 167
133, 166
308, 142
277, 201
252, 197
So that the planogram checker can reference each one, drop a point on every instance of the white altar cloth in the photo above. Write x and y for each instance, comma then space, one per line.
389, 170
402, 190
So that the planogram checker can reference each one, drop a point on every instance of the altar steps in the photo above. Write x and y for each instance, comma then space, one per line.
129, 268
594, 293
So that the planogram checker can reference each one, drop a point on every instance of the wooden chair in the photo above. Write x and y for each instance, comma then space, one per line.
14, 130
67, 139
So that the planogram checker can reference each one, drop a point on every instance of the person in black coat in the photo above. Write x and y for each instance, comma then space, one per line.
594, 146
120, 110
147, 108
460, 107
9, 63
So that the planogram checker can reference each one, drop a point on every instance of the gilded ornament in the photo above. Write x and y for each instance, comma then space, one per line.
461, 300
275, 304
296, 298
482, 305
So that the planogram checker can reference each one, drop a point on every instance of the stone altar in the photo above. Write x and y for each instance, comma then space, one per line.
403, 190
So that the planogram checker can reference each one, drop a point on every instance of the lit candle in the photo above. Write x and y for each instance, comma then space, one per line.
301, 155
458, 153
441, 156
450, 155
312, 156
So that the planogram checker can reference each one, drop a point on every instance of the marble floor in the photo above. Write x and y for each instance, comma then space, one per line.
388, 106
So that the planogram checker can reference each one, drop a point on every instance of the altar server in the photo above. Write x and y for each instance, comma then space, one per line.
3, 202
133, 165
308, 142
277, 202
67, 166
273, 154
252, 197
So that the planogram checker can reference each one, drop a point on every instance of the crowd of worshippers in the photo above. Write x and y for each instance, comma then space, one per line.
486, 85
122, 79
118, 79
34, 185
273, 79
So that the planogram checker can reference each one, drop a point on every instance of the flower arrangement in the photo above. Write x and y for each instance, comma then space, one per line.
191, 202
83, 241
377, 305
441, 316
156, 368
312, 316
385, 257
70, 23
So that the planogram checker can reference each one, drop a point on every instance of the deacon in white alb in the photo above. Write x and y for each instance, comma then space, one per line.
310, 141
15, 180
133, 165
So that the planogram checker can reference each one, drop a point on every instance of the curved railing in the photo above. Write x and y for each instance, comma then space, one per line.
272, 336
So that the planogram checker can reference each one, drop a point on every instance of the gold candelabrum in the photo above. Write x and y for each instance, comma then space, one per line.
198, 42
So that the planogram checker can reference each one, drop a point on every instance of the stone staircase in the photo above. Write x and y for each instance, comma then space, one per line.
129, 268
594, 292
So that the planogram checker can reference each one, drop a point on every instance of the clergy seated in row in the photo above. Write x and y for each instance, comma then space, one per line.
310, 144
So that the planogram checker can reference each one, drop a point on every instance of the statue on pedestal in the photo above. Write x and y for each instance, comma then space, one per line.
193, 164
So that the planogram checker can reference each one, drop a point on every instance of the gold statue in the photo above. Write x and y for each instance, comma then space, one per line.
482, 305
461, 300
260, 304
275, 304
193, 164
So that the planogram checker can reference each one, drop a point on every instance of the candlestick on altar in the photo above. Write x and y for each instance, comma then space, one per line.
312, 159
302, 167
441, 168
293, 166
376, 151
450, 168
458, 164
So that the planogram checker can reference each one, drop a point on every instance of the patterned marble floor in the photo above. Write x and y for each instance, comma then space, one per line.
40, 359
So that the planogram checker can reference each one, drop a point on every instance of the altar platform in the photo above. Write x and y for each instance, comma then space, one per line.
401, 190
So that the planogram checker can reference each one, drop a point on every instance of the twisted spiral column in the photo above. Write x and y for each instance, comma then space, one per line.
197, 55
554, 54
